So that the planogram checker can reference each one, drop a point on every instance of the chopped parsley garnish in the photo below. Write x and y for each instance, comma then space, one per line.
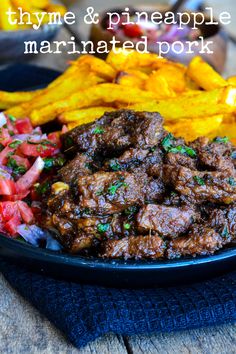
99, 192
223, 140
114, 165
12, 119
233, 155
68, 141
131, 210
232, 181
88, 165
42, 188
15, 143
98, 130
225, 232
44, 143
127, 226
167, 142
113, 188
199, 180
103, 227
15, 168
51, 162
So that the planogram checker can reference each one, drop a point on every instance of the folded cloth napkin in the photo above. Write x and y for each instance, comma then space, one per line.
84, 312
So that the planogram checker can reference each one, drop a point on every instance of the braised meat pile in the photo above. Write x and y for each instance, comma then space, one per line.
132, 190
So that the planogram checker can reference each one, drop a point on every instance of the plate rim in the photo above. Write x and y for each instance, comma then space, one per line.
30, 251
55, 257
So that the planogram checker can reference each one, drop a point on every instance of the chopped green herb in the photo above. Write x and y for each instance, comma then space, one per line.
15, 168
152, 149
98, 130
86, 211
225, 232
68, 141
88, 165
1, 147
232, 181
44, 143
12, 119
183, 150
113, 188
103, 227
218, 139
99, 192
233, 155
127, 226
15, 143
131, 210
114, 165
167, 142
51, 162
42, 188
199, 180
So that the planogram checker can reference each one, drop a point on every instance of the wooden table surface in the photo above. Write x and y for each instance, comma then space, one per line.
24, 330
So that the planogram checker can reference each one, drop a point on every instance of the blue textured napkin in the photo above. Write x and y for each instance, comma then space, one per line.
84, 312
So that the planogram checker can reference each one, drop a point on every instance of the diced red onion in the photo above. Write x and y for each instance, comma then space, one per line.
3, 119
34, 234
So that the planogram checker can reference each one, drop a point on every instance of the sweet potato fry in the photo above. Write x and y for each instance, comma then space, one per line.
228, 130
99, 66
9, 99
132, 78
86, 115
174, 76
204, 75
191, 129
64, 89
93, 96
159, 85
208, 103
130, 59
232, 80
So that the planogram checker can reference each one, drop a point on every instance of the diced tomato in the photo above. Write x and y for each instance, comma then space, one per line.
55, 138
11, 226
7, 187
5, 137
44, 149
31, 176
25, 212
8, 210
15, 197
11, 125
133, 31
4, 155
24, 126
21, 161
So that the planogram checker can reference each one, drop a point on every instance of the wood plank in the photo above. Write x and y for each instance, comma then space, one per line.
214, 340
24, 330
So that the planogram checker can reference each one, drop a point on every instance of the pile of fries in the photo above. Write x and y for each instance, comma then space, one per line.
193, 100
29, 6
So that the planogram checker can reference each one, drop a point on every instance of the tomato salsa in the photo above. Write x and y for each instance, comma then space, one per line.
27, 157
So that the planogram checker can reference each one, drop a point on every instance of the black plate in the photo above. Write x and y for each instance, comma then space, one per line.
117, 272
97, 271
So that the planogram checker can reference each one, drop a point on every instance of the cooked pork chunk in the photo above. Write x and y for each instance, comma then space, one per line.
166, 221
135, 191
137, 247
